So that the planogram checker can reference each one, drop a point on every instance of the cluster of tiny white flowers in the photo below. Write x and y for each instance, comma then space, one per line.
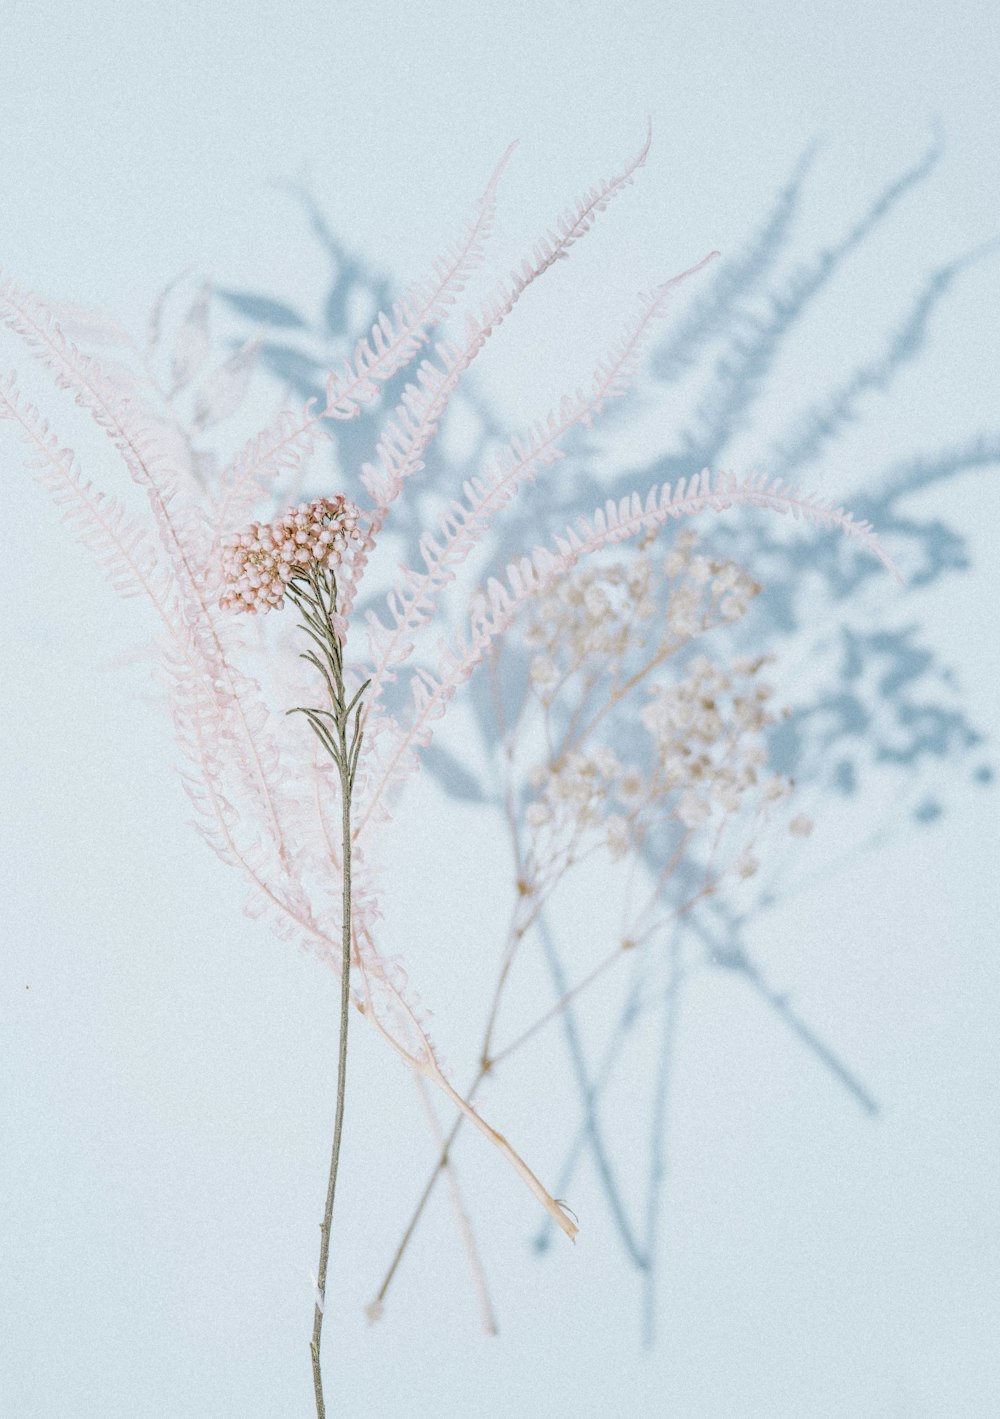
705, 752
707, 765
707, 733
618, 836
604, 612
574, 791
259, 561
593, 612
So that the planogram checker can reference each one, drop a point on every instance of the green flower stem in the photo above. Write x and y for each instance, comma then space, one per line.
316, 599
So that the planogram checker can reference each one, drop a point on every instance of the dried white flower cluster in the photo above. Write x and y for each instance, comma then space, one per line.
575, 790
260, 560
601, 613
704, 755
706, 731
697, 758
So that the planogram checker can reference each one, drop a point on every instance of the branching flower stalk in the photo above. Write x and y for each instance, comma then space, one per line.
603, 676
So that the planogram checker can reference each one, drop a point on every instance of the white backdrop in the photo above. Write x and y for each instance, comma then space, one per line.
167, 1065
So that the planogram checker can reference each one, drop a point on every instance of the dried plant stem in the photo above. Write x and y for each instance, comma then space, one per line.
521, 923
515, 936
317, 602
418, 1211
572, 741
338, 1123
462, 1221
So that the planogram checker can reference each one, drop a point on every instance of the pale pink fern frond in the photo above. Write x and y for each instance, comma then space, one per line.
392, 344
219, 786
632, 515
396, 746
277, 890
233, 727
287, 442
131, 432
394, 341
122, 546
230, 817
92, 326
616, 372
409, 430
206, 645
416, 418
128, 555
413, 599
580, 217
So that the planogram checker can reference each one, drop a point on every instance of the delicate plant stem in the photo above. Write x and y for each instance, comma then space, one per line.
418, 1211
570, 742
318, 605
462, 1218
338, 1123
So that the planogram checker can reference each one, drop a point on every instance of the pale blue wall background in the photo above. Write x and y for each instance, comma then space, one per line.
167, 1065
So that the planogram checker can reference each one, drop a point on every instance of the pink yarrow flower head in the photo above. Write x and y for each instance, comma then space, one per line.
259, 561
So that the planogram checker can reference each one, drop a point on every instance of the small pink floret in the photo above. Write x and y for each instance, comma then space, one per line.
259, 560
